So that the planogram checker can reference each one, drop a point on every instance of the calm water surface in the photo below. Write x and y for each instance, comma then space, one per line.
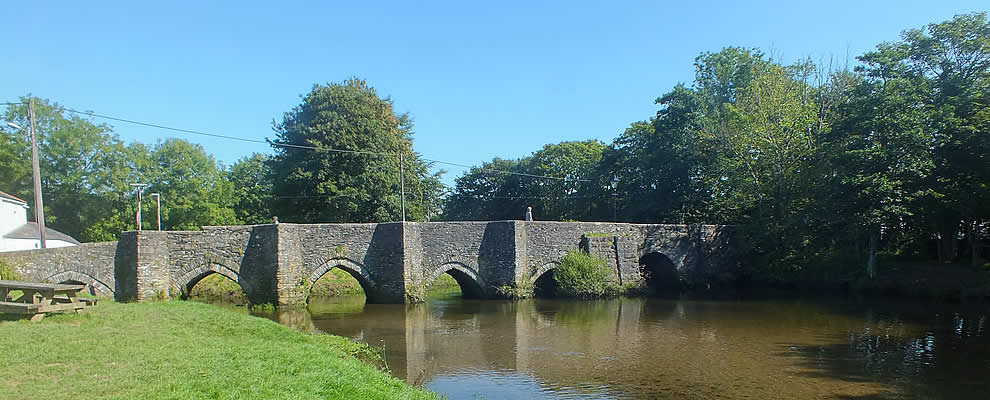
651, 348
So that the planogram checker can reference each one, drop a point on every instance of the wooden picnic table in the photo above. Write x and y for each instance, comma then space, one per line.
37, 299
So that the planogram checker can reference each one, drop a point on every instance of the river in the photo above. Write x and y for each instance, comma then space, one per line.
672, 349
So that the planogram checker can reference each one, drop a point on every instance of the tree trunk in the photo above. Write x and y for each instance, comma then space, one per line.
971, 239
947, 247
871, 260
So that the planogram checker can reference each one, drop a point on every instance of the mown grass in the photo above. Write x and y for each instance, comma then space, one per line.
183, 350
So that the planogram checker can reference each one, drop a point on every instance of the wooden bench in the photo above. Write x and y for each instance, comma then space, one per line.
39, 299
38, 311
88, 301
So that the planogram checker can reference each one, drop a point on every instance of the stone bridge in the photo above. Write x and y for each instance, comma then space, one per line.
394, 262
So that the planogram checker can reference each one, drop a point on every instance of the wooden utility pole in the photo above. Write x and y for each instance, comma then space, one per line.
39, 205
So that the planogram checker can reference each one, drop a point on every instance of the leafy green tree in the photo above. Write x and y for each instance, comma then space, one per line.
361, 184
570, 197
661, 165
254, 190
879, 152
557, 181
486, 193
15, 160
194, 189
953, 58
83, 165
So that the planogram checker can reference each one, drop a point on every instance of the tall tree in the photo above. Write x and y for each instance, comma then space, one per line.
486, 193
194, 189
558, 181
350, 168
254, 190
953, 57
83, 164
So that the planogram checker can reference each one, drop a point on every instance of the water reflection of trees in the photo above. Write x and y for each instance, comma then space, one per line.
947, 359
676, 349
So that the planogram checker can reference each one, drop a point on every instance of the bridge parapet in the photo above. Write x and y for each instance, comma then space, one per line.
89, 263
394, 262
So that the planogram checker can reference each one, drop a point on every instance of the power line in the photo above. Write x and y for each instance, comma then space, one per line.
537, 197
304, 147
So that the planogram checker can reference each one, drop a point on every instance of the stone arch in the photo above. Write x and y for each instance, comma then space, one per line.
660, 272
472, 284
94, 286
350, 266
189, 279
543, 269
542, 279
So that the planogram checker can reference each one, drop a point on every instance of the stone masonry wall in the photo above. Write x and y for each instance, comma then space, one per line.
371, 252
394, 262
484, 252
89, 263
243, 254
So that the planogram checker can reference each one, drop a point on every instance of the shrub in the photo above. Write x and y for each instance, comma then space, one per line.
583, 276
515, 292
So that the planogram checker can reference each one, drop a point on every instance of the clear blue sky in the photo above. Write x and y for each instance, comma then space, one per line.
480, 79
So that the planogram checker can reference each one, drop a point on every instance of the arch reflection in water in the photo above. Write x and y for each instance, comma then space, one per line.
648, 348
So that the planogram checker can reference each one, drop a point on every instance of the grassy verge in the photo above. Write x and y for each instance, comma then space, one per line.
184, 350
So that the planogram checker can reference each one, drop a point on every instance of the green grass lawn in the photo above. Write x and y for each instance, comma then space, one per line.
183, 350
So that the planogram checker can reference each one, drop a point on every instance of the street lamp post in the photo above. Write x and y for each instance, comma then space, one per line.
39, 204
158, 208
615, 198
140, 188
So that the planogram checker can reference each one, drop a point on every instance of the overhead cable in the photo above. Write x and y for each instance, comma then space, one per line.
304, 147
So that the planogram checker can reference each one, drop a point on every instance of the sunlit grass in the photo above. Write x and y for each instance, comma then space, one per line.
217, 288
183, 350
337, 282
443, 287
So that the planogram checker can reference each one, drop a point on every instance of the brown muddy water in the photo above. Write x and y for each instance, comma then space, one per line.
671, 349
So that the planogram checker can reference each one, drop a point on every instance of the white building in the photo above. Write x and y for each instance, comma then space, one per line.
16, 233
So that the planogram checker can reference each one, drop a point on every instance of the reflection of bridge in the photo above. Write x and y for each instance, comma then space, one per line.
394, 262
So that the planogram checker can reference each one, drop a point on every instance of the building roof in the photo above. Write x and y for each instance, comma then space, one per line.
30, 231
8, 196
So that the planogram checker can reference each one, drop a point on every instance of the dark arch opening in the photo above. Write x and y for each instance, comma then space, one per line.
340, 282
660, 274
467, 286
545, 285
213, 287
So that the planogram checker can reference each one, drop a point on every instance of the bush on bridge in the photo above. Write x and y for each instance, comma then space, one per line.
583, 276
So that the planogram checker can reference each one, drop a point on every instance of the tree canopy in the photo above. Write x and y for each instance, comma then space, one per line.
337, 159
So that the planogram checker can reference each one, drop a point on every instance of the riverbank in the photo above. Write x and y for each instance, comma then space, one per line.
184, 350
918, 280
